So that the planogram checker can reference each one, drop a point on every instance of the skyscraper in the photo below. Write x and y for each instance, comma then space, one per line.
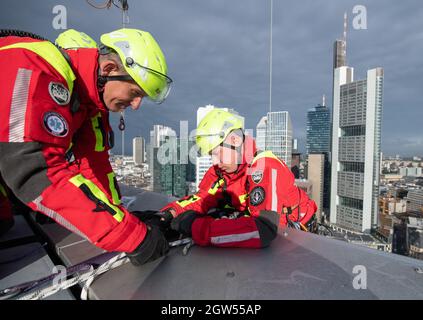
279, 135
318, 130
316, 175
170, 172
138, 150
319, 142
163, 161
357, 109
261, 134
159, 133
340, 48
202, 163
179, 172
157, 136
296, 159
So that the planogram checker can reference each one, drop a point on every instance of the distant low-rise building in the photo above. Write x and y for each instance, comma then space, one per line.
415, 201
415, 237
410, 171
390, 178
391, 205
408, 235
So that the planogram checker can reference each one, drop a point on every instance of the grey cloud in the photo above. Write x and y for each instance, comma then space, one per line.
218, 53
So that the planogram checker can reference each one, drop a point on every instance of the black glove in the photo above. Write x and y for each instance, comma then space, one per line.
151, 248
159, 219
267, 224
183, 222
165, 217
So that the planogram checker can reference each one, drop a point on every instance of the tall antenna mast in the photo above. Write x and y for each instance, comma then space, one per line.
344, 37
125, 21
125, 16
324, 100
271, 49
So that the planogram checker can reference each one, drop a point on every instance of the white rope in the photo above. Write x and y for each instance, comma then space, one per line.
115, 262
90, 280
90, 275
186, 241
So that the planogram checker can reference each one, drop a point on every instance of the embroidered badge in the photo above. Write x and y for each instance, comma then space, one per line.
55, 124
256, 176
257, 196
59, 93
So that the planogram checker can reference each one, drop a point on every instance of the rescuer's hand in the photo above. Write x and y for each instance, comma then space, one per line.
151, 248
183, 222
159, 219
165, 217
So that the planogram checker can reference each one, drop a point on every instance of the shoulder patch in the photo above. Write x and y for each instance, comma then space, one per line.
257, 176
257, 196
59, 93
55, 124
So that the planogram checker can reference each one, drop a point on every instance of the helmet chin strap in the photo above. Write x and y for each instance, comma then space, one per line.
102, 80
238, 149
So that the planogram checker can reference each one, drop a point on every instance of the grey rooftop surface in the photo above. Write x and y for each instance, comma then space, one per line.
25, 262
297, 265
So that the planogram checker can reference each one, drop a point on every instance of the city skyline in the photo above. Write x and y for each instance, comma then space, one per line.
220, 55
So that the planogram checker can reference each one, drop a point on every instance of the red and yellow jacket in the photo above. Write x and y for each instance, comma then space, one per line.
39, 128
262, 184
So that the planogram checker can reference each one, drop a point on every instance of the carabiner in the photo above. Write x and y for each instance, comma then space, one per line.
121, 122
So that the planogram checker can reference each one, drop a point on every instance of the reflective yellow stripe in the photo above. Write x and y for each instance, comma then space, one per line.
243, 198
3, 191
79, 180
216, 187
52, 55
266, 154
113, 190
184, 203
95, 121
70, 147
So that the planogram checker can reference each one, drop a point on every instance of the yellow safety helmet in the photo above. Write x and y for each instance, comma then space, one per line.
142, 58
214, 128
72, 39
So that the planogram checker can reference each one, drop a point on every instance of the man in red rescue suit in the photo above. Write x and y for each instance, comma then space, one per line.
55, 102
244, 196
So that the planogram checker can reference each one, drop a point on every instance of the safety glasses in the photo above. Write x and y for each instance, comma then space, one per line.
161, 84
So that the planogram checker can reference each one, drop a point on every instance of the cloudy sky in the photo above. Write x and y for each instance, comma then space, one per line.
218, 53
